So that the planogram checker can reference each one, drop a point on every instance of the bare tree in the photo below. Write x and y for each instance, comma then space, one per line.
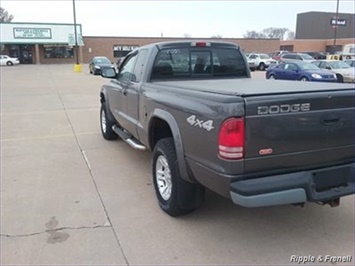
187, 35
290, 35
271, 33
254, 35
275, 33
218, 36
4, 16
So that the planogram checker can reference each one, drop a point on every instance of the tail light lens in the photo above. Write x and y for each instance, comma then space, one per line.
231, 139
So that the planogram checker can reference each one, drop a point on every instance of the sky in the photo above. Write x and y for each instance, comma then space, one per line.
229, 19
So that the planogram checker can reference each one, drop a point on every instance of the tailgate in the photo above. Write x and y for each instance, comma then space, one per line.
293, 132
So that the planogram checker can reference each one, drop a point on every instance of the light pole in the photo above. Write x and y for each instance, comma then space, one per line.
77, 66
336, 26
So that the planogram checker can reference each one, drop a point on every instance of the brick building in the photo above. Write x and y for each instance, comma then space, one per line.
115, 47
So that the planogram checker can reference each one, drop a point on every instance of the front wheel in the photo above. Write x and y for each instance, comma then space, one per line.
304, 79
106, 124
175, 195
262, 66
272, 76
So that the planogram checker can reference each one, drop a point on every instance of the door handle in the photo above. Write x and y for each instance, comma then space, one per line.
330, 120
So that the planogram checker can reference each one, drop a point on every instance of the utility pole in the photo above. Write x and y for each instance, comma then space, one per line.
77, 66
336, 26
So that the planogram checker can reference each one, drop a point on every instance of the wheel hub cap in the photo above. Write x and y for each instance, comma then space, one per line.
163, 176
103, 121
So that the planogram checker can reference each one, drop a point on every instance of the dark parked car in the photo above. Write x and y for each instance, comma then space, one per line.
300, 71
97, 63
317, 55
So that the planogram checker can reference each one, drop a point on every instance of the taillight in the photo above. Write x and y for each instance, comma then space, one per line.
231, 139
200, 44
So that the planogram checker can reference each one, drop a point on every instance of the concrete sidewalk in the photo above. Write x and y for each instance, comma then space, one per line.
69, 197
52, 211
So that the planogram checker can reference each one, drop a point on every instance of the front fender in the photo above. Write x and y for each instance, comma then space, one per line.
104, 100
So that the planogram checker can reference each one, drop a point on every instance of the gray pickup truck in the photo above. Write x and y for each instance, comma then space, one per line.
209, 125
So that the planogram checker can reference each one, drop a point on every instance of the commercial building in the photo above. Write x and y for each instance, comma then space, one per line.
40, 43
321, 31
48, 43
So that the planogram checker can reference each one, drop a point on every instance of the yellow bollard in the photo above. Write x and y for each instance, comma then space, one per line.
77, 68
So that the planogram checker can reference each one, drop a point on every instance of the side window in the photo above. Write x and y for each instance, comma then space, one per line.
126, 71
141, 60
323, 65
316, 63
253, 56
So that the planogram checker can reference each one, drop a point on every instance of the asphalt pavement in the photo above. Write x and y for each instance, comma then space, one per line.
69, 197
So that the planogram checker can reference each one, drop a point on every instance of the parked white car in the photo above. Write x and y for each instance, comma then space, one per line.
8, 61
261, 61
343, 71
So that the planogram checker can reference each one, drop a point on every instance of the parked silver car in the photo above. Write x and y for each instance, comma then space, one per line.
292, 57
344, 72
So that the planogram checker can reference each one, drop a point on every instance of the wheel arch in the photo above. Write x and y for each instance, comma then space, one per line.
163, 125
103, 100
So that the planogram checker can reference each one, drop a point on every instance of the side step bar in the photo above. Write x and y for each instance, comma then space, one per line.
127, 137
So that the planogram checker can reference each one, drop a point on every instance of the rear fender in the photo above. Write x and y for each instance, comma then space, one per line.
170, 120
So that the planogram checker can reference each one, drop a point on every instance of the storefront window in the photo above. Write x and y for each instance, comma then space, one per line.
123, 50
58, 51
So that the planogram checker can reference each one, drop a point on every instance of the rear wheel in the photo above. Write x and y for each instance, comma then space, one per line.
262, 66
9, 63
175, 195
106, 124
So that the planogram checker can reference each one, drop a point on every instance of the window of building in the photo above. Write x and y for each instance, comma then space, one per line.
58, 51
123, 50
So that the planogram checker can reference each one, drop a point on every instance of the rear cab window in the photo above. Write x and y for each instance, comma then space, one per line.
205, 62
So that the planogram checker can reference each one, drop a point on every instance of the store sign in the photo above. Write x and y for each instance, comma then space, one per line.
32, 33
338, 22
79, 39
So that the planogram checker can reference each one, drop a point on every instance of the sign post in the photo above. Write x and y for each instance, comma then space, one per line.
77, 66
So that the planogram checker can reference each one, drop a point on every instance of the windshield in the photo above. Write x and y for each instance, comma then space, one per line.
306, 57
102, 60
203, 62
264, 56
338, 64
308, 66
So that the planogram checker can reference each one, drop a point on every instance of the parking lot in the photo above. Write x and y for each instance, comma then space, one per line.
69, 197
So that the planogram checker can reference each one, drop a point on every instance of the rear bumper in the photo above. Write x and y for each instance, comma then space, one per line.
315, 186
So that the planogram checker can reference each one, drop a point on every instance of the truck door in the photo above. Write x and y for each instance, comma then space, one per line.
125, 91
118, 90
131, 93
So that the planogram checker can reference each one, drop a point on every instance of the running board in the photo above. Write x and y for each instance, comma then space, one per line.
127, 137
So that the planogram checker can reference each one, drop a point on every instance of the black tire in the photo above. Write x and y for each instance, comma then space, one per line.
262, 66
9, 63
106, 124
340, 78
184, 197
304, 79
272, 76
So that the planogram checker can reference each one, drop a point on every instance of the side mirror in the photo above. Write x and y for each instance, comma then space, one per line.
108, 72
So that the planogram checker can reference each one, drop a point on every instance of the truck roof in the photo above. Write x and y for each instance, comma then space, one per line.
184, 43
